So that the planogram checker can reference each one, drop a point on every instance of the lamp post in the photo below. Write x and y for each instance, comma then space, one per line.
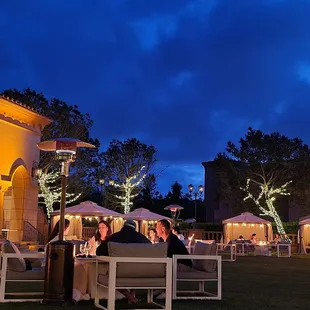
59, 264
195, 193
103, 187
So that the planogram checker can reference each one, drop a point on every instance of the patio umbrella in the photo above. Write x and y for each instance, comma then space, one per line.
88, 208
143, 217
142, 214
83, 210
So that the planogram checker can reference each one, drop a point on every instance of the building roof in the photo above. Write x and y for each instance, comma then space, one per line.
20, 115
246, 217
16, 102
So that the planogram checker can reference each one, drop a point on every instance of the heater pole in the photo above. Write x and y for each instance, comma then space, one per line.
62, 207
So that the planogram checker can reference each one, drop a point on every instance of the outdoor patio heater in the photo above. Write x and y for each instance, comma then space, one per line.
59, 266
175, 211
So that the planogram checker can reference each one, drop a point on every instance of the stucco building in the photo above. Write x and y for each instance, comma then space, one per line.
218, 210
20, 131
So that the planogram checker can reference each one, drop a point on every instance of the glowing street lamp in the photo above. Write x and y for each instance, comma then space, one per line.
103, 185
195, 194
59, 266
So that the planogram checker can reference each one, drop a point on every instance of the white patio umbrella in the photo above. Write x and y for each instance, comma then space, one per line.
87, 209
144, 217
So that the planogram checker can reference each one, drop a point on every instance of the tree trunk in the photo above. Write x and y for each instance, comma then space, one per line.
279, 224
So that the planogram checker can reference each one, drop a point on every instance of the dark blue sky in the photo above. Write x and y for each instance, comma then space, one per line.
184, 75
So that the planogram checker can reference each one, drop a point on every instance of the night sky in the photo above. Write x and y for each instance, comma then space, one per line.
185, 76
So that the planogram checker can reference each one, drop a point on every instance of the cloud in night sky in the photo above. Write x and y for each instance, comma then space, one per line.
186, 76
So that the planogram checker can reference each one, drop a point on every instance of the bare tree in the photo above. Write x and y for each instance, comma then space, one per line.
266, 198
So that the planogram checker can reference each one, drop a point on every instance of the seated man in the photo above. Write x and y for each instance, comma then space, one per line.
175, 245
127, 234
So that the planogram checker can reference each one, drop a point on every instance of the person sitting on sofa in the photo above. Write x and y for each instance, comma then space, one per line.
127, 234
104, 232
175, 245
176, 230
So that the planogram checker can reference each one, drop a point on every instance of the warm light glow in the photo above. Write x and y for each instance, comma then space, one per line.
268, 196
243, 224
262, 243
190, 187
50, 192
127, 189
20, 132
101, 181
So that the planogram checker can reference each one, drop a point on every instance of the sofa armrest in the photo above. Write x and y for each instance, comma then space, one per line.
192, 256
113, 261
109, 259
23, 255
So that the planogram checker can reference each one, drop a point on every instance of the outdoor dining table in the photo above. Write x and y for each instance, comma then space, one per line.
88, 273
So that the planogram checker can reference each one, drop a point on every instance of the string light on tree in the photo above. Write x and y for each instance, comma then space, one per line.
50, 192
128, 187
267, 196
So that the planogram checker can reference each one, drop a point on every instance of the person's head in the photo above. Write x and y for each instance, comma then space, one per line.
253, 236
241, 237
152, 232
163, 229
104, 231
130, 223
55, 231
176, 230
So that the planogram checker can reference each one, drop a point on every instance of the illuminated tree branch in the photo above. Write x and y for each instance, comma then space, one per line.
127, 188
51, 193
266, 199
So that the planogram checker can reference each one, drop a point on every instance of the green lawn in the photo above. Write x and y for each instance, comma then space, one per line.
250, 283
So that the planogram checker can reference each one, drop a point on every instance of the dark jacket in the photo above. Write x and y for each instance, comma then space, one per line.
125, 235
177, 247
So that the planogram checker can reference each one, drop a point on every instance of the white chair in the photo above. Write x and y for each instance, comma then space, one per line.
227, 251
240, 248
207, 267
284, 249
13, 269
197, 276
135, 267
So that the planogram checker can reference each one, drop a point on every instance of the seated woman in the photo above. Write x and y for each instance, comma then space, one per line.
276, 239
153, 236
176, 230
253, 239
54, 236
104, 231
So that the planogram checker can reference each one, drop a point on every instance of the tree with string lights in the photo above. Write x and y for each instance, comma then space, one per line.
51, 191
266, 198
128, 163
128, 188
